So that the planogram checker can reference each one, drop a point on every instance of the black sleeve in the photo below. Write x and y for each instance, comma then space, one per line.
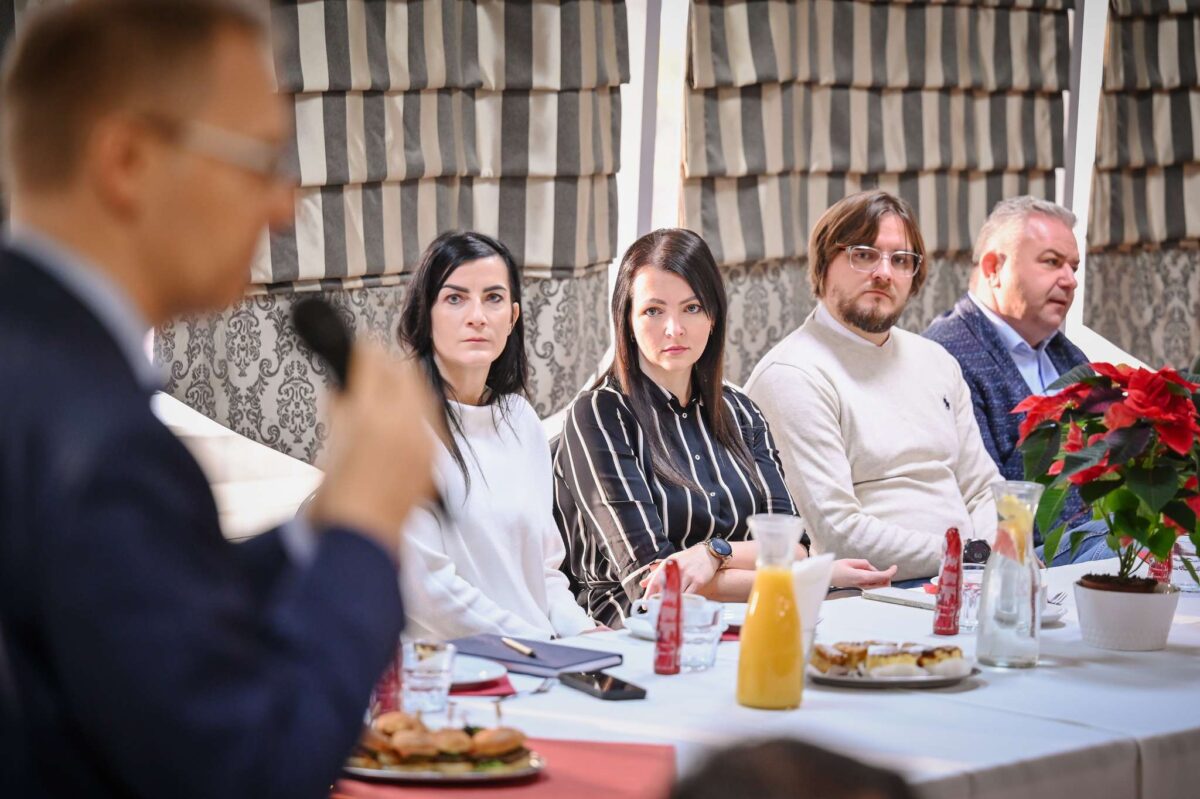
601, 440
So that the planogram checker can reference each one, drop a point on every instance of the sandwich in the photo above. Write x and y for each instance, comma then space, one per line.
398, 742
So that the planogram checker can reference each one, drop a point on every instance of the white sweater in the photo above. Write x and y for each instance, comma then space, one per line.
880, 446
494, 567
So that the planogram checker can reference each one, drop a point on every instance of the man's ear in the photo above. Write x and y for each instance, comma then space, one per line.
116, 161
989, 265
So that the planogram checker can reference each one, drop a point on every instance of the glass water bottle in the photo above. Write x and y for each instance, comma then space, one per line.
1009, 606
771, 662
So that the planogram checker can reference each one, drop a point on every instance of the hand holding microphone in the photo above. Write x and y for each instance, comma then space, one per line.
379, 462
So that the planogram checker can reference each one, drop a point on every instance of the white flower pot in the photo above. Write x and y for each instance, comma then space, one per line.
1128, 622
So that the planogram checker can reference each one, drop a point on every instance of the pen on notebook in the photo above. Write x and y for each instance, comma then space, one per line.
518, 646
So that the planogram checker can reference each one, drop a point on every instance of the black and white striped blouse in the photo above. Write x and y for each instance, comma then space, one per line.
617, 517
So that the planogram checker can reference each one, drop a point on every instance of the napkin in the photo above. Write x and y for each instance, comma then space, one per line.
810, 580
500, 687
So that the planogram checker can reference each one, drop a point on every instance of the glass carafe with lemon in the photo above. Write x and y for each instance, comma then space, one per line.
1009, 606
771, 663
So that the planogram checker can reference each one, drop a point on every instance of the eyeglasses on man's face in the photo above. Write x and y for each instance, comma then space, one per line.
239, 150
863, 258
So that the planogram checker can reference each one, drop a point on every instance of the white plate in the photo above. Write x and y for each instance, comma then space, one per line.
850, 681
470, 670
640, 628
536, 764
1053, 613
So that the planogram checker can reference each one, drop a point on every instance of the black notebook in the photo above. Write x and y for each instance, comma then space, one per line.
551, 660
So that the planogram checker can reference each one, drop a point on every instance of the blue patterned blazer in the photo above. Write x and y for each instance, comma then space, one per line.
997, 385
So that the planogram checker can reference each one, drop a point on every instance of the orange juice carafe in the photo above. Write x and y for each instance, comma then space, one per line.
771, 663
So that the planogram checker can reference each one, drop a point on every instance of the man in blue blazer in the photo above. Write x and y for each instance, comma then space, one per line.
1005, 334
143, 654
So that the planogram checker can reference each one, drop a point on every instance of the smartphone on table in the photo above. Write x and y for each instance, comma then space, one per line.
601, 685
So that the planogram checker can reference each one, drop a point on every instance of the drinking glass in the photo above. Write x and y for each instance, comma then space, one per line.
428, 671
972, 590
1009, 606
702, 628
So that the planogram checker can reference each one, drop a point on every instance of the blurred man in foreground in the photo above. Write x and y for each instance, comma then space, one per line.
1005, 334
149, 656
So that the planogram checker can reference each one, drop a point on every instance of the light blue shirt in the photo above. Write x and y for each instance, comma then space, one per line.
119, 315
1033, 363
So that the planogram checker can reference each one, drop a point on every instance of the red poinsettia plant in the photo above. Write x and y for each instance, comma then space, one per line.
1129, 440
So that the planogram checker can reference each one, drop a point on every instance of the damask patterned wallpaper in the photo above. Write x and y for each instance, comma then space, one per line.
1147, 303
245, 367
767, 300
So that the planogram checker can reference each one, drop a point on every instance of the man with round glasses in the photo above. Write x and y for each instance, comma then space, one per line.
874, 424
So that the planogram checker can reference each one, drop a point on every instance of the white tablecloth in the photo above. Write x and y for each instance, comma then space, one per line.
1085, 723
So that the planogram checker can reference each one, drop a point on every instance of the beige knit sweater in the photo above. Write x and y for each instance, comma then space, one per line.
880, 446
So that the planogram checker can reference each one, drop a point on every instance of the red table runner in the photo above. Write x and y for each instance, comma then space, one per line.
574, 770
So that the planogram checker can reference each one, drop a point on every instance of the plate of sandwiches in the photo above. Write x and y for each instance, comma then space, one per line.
886, 664
398, 747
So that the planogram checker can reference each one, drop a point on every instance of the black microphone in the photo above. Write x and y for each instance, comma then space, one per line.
326, 334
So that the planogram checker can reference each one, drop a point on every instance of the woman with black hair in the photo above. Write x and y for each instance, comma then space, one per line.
661, 458
491, 564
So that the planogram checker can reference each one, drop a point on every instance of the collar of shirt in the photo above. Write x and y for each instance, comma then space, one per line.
673, 403
99, 294
825, 317
1033, 363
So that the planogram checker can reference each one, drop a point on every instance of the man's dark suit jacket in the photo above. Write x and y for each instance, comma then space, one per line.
997, 386
151, 657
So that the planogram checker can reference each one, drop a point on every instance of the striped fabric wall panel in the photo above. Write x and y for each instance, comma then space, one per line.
564, 133
1136, 8
1145, 206
1152, 53
764, 217
1142, 129
388, 45
368, 137
369, 45
545, 44
1146, 190
835, 42
553, 225
1051, 5
772, 128
364, 137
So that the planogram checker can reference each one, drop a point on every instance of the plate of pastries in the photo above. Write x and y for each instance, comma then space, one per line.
886, 664
398, 747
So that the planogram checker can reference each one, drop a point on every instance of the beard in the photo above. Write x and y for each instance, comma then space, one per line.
871, 319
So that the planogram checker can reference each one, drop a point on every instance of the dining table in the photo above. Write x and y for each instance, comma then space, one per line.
1084, 722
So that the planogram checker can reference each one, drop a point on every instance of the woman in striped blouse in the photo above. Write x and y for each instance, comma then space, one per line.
661, 458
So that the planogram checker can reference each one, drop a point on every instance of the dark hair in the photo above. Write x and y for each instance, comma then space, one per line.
680, 252
780, 768
71, 65
509, 373
855, 220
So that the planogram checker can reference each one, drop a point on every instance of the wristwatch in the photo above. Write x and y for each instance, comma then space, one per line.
976, 551
720, 549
